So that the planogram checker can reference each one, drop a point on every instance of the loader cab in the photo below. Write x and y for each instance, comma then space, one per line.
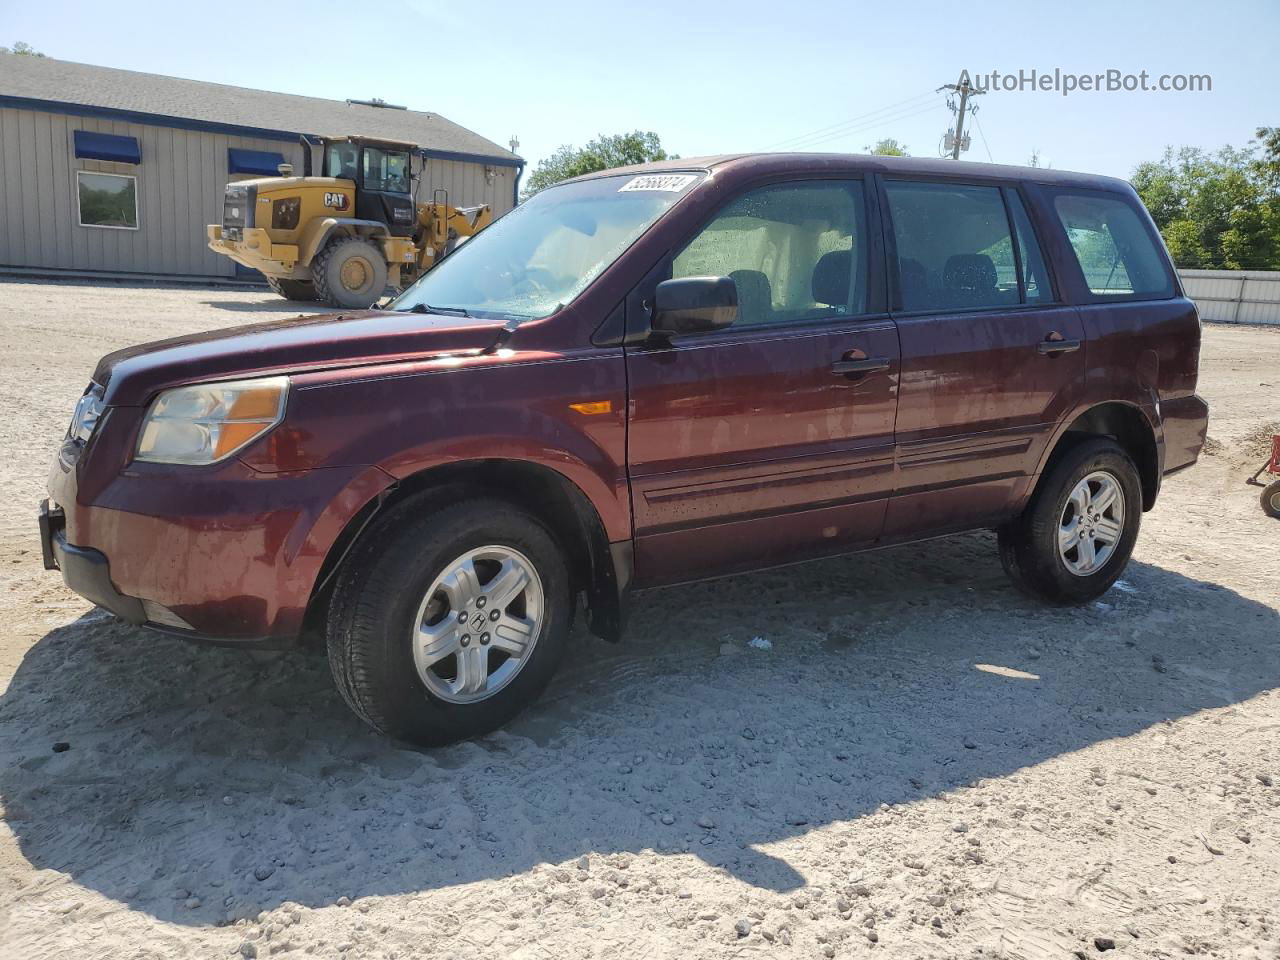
381, 172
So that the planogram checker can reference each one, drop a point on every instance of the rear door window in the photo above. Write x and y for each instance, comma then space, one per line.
1115, 250
954, 247
796, 251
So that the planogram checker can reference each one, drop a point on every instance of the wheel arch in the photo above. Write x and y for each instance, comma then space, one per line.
1127, 424
319, 235
599, 569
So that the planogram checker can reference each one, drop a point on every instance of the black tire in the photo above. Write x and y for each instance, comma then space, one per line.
1029, 545
1271, 499
292, 289
375, 607
347, 253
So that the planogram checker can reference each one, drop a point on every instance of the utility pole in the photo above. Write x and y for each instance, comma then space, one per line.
957, 139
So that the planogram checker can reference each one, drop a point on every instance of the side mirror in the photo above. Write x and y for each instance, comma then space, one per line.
694, 305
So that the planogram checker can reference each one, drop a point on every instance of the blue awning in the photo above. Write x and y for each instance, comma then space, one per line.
253, 161
107, 146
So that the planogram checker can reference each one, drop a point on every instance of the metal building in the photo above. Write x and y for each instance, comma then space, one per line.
111, 171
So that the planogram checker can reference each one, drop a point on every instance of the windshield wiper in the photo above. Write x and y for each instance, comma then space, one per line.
428, 308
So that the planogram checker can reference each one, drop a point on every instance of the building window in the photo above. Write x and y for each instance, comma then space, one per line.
107, 200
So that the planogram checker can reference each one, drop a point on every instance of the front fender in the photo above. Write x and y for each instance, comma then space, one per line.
452, 410
317, 233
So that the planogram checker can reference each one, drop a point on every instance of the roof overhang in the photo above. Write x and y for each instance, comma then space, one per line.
67, 108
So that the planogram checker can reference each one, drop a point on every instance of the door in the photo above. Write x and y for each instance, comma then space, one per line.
771, 440
991, 361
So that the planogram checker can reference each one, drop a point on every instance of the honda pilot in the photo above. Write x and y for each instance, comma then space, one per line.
642, 377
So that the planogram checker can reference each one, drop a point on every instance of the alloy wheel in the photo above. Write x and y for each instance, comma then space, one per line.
477, 624
1092, 523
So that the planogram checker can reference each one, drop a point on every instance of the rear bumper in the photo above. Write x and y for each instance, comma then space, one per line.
1185, 423
254, 249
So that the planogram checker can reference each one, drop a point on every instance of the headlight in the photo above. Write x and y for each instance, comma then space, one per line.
87, 413
208, 422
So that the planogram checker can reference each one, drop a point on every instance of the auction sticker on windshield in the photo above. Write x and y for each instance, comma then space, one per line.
666, 182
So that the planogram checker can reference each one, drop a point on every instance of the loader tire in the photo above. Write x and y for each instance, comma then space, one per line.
350, 272
301, 290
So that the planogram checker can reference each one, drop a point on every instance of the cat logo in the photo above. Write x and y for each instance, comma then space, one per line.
336, 200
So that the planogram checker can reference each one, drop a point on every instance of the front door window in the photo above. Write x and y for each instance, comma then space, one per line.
795, 251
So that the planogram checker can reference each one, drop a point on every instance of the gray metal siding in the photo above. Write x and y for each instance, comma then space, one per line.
1235, 296
469, 184
179, 190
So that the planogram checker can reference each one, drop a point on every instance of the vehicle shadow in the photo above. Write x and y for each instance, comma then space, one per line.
890, 677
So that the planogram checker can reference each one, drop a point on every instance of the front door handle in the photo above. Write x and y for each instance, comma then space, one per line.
1054, 344
863, 365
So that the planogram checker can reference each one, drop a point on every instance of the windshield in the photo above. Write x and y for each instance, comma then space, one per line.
546, 251
386, 170
341, 160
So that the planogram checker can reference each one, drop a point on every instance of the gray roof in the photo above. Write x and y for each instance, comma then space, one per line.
104, 88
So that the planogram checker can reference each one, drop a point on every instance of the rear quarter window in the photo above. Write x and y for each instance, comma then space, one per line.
1114, 247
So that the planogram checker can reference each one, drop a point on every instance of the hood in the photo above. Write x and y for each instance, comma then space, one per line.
132, 376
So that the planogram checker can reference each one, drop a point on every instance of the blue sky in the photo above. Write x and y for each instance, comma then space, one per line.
716, 77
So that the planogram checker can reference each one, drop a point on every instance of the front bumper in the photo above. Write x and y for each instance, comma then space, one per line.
223, 553
83, 570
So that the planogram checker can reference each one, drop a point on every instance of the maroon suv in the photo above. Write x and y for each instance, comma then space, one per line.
641, 377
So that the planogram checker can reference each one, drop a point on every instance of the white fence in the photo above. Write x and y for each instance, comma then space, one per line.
1235, 296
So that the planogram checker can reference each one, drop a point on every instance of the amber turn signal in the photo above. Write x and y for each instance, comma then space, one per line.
592, 407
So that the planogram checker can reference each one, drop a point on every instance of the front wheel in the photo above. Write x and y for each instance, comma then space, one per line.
443, 626
350, 272
1271, 499
1074, 538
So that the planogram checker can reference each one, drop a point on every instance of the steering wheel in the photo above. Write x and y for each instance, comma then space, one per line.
535, 281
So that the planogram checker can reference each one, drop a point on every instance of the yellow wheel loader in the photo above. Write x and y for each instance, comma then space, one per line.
342, 237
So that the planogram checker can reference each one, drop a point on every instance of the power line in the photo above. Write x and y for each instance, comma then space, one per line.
983, 135
878, 122
853, 125
851, 120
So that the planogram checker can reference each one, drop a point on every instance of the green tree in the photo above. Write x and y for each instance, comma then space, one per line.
888, 147
602, 153
22, 49
1270, 160
1215, 210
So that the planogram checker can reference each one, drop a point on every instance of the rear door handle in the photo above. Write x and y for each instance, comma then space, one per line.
1050, 348
844, 368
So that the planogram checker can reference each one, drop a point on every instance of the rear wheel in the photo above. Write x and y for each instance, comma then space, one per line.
292, 289
350, 272
1074, 538
445, 625
1271, 499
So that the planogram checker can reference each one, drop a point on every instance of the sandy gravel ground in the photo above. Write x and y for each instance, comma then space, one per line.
924, 764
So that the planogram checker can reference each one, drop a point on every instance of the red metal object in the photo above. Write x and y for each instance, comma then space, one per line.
1272, 465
